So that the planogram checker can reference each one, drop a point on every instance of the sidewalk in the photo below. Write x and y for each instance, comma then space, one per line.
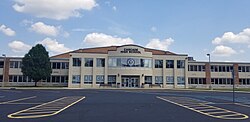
163, 89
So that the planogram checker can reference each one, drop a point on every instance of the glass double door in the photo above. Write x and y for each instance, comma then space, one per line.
130, 81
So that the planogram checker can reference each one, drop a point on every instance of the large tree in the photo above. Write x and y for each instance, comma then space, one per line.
36, 64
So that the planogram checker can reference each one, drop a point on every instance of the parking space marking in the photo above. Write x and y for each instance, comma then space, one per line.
21, 103
203, 108
21, 99
47, 109
244, 105
240, 104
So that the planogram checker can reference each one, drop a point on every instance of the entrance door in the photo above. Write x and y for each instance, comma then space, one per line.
130, 81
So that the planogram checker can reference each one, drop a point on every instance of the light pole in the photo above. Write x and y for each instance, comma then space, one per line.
4, 62
209, 69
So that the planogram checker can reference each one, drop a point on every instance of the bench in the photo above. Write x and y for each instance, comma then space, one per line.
154, 85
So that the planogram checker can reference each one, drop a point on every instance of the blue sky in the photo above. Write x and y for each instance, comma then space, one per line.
193, 27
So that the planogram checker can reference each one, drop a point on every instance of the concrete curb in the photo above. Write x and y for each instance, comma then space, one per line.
66, 88
208, 90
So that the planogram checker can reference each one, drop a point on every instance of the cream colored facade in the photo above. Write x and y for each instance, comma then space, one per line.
121, 72
129, 66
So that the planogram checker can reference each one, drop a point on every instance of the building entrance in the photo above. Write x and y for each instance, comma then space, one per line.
130, 81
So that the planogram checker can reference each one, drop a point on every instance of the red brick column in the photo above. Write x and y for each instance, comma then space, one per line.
208, 73
6, 70
236, 74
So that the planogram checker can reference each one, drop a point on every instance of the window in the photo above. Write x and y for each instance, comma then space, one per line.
148, 80
112, 62
170, 80
180, 80
196, 68
197, 80
216, 69
64, 79
1, 64
88, 62
212, 69
222, 81
146, 63
20, 78
244, 81
240, 68
100, 62
65, 65
14, 64
221, 68
88, 79
111, 79
244, 69
202, 81
99, 79
158, 80
77, 62
180, 63
247, 69
201, 68
169, 63
56, 65
56, 79
76, 79
191, 81
158, 63
1, 78
129, 62
13, 78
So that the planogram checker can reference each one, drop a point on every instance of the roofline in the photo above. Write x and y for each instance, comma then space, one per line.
219, 62
118, 47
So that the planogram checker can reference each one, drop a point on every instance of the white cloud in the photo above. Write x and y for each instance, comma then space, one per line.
66, 34
223, 51
44, 29
100, 39
54, 45
158, 44
7, 31
153, 29
54, 9
26, 22
19, 46
114, 8
242, 51
229, 37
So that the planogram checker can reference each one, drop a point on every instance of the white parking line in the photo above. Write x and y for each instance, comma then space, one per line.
11, 101
47, 109
207, 110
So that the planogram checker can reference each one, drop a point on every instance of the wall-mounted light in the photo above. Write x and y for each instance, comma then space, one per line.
142, 75
118, 75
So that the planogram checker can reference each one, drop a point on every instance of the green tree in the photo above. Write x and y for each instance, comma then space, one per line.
36, 64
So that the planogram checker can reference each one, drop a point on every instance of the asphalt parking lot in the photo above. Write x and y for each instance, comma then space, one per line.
79, 105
